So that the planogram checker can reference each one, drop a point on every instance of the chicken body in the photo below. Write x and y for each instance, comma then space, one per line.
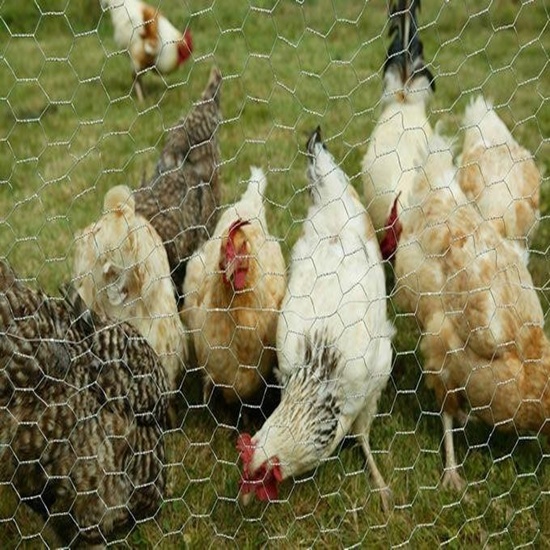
482, 324
499, 175
82, 406
151, 40
122, 273
333, 339
233, 290
181, 199
390, 163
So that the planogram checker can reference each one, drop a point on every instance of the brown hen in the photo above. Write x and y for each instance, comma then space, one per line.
499, 175
121, 271
482, 323
233, 291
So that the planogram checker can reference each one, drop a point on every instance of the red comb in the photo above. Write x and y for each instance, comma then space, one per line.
268, 489
388, 245
185, 47
277, 473
264, 481
188, 38
237, 224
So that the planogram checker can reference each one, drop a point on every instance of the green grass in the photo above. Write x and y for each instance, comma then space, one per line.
69, 130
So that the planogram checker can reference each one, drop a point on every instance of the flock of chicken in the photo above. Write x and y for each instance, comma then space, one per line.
88, 382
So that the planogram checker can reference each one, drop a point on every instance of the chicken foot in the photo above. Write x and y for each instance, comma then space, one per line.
451, 477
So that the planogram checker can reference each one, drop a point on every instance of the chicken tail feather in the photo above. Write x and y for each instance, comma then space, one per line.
404, 69
324, 173
213, 87
256, 191
119, 198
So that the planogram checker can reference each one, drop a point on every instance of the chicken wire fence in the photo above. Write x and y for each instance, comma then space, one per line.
200, 322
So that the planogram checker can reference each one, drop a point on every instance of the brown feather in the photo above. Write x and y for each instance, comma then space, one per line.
483, 342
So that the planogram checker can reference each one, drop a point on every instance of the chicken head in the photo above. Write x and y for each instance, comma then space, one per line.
263, 481
234, 256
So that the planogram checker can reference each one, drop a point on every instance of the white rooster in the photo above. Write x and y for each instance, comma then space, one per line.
333, 339
390, 164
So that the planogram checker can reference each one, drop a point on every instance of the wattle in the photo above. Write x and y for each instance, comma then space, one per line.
267, 489
239, 279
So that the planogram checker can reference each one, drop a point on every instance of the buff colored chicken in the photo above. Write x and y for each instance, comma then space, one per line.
151, 40
82, 408
122, 272
499, 175
233, 291
482, 324
333, 340
403, 127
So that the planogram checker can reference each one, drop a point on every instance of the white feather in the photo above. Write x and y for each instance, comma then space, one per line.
336, 289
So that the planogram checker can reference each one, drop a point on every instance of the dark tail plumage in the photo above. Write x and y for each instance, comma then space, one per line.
313, 140
405, 54
213, 88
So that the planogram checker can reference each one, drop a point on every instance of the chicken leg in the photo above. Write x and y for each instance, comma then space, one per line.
451, 477
138, 87
362, 429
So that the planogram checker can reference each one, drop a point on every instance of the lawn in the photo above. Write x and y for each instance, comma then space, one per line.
70, 130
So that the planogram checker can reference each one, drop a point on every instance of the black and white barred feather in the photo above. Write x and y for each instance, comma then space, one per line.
82, 408
406, 51
318, 411
181, 199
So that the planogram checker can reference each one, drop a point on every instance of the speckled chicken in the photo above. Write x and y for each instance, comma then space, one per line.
181, 200
499, 175
483, 341
392, 155
82, 406
121, 271
333, 340
233, 291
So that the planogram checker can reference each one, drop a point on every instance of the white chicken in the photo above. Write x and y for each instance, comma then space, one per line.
482, 324
392, 155
121, 271
499, 175
333, 339
151, 40
233, 290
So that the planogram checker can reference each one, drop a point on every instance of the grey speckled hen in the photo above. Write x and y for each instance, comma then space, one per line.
182, 197
82, 406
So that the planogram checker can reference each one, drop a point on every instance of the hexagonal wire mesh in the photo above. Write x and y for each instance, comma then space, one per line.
139, 433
